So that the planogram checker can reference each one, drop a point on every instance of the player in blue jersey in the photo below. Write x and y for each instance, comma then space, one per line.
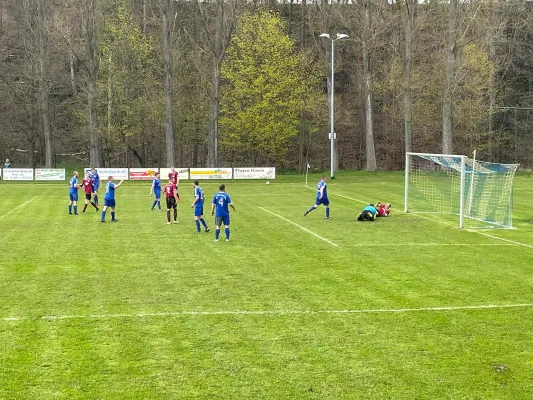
321, 197
95, 178
198, 206
73, 193
156, 191
369, 213
109, 199
221, 201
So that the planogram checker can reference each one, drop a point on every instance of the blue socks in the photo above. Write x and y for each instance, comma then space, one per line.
227, 233
96, 199
327, 212
311, 209
197, 226
203, 223
75, 209
154, 203
112, 215
159, 204
103, 215
70, 209
217, 233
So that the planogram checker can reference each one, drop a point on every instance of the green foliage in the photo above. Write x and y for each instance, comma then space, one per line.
265, 88
127, 80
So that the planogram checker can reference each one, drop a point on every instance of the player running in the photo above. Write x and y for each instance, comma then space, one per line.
109, 199
369, 213
73, 193
198, 206
156, 191
221, 201
87, 184
173, 176
95, 178
321, 197
171, 195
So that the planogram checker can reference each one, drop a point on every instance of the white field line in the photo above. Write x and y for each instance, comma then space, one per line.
301, 227
430, 244
340, 195
513, 242
266, 312
18, 207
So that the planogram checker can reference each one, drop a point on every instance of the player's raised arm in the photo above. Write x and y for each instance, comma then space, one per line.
120, 183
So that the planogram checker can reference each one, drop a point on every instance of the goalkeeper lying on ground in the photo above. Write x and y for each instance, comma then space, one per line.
371, 212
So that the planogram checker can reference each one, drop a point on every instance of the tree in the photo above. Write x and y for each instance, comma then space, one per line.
91, 68
127, 76
369, 89
263, 98
449, 84
167, 64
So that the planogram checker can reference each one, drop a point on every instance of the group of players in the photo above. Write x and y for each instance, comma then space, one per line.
369, 213
91, 183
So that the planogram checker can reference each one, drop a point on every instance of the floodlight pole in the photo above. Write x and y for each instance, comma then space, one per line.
331, 99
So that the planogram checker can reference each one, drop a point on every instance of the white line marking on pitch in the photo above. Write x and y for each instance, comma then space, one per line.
429, 244
340, 195
16, 208
267, 312
300, 226
513, 242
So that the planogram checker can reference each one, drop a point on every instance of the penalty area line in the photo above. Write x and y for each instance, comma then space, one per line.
301, 227
16, 208
267, 312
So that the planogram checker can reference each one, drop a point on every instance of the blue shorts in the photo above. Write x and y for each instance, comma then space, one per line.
157, 194
324, 201
198, 211
219, 221
95, 188
74, 196
109, 202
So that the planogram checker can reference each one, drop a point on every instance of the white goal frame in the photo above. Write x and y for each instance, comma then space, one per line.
465, 204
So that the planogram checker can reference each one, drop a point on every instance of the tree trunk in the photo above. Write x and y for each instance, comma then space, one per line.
212, 148
44, 86
95, 142
72, 74
109, 101
407, 98
369, 90
451, 65
169, 102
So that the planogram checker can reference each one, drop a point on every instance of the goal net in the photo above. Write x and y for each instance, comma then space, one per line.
479, 193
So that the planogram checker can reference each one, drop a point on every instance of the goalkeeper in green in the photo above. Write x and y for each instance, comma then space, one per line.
369, 213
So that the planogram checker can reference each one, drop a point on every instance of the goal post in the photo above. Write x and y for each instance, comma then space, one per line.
478, 192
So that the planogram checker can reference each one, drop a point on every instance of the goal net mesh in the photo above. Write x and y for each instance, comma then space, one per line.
433, 185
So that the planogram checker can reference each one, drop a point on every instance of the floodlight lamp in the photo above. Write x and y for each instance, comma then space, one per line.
342, 36
324, 35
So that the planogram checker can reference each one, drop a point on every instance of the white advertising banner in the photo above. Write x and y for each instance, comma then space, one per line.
143, 174
117, 173
254, 173
183, 173
0, 174
43, 174
18, 174
211, 173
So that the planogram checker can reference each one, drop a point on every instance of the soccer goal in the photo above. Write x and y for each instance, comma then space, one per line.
479, 193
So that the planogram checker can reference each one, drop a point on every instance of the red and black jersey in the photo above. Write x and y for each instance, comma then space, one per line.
87, 185
170, 189
173, 176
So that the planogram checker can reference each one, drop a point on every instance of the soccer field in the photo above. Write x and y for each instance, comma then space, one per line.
292, 307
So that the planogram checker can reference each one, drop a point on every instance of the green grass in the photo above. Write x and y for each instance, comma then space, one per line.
74, 289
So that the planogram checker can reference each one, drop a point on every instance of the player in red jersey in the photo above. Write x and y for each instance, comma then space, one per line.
171, 194
383, 209
173, 177
87, 185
